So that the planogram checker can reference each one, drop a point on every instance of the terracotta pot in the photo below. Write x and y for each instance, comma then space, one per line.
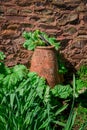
44, 62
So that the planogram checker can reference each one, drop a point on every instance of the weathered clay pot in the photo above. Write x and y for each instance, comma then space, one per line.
44, 62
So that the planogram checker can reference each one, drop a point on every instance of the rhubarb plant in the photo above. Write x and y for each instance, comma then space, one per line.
38, 38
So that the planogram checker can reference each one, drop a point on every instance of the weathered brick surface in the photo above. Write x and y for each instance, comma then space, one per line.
64, 19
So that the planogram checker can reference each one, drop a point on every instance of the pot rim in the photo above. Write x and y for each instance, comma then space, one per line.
45, 47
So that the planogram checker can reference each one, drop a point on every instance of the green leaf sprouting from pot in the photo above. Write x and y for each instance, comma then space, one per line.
38, 38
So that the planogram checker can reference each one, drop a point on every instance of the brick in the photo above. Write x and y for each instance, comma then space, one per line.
24, 2
1, 10
17, 19
70, 30
11, 11
85, 18
46, 26
25, 12
9, 34
13, 26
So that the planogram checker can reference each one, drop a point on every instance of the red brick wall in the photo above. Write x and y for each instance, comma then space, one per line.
64, 19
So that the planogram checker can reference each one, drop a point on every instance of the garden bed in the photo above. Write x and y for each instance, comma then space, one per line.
27, 102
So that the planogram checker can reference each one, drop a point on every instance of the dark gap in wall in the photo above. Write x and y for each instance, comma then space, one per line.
75, 22
64, 43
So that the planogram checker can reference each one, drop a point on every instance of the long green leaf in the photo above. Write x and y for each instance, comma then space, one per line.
12, 97
61, 109
72, 115
59, 123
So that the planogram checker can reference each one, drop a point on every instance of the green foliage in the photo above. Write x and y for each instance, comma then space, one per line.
2, 66
3, 69
62, 91
61, 65
2, 55
38, 38
81, 80
84, 126
80, 84
17, 74
82, 72
81, 118
27, 102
